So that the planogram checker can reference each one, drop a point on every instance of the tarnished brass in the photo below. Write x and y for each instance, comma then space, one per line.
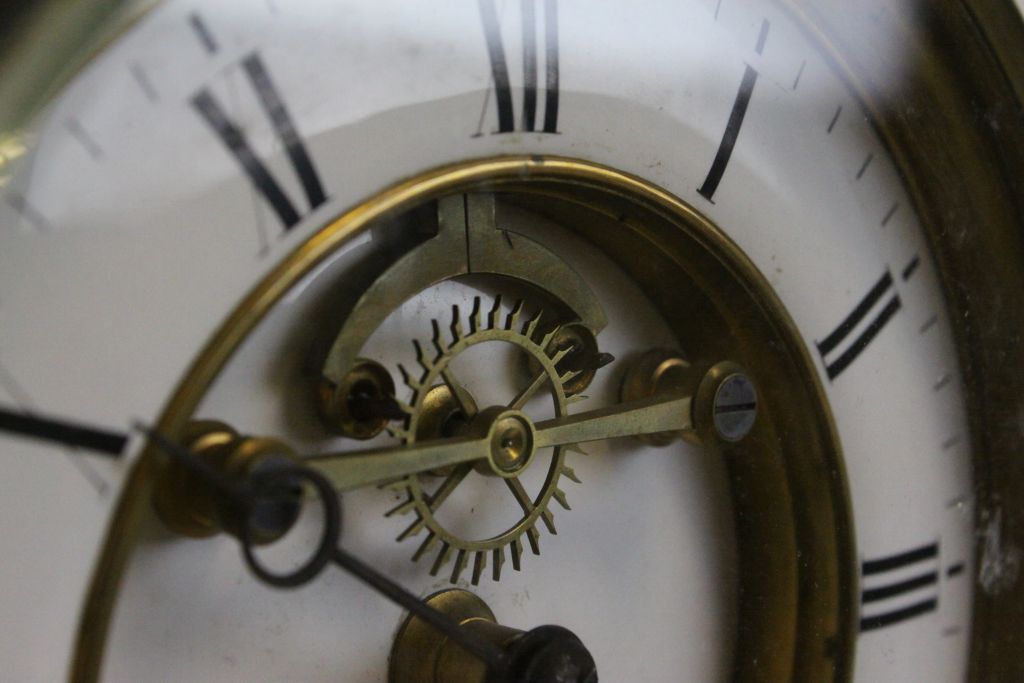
468, 240
420, 654
952, 123
657, 372
337, 404
442, 415
584, 359
794, 615
483, 442
189, 505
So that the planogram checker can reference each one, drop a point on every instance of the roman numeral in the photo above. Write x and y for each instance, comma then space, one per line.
100, 441
889, 581
732, 128
499, 68
235, 140
838, 337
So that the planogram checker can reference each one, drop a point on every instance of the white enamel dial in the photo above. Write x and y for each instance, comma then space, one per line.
130, 231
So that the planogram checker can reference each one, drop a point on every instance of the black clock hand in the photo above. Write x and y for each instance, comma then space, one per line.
277, 484
545, 654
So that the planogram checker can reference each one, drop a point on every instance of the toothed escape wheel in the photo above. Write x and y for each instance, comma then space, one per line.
516, 447
459, 353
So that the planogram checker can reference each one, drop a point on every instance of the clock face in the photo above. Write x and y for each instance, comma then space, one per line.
530, 235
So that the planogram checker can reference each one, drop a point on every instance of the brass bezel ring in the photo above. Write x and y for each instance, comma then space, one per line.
796, 618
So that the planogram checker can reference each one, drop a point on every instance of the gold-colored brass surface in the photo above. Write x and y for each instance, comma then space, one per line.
468, 240
420, 654
365, 379
654, 372
442, 415
479, 327
794, 616
583, 360
953, 126
188, 504
501, 441
951, 120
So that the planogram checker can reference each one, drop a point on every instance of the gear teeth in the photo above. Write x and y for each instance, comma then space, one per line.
561, 353
479, 564
549, 521
512, 319
421, 356
492, 315
396, 432
570, 474
461, 560
412, 529
398, 486
475, 317
575, 448
442, 559
530, 328
545, 341
456, 327
393, 484
559, 495
533, 536
517, 553
410, 381
402, 509
437, 339
425, 547
569, 375
498, 562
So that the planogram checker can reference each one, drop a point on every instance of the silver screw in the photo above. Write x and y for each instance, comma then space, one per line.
735, 407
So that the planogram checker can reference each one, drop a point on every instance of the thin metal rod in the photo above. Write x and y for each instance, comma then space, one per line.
481, 648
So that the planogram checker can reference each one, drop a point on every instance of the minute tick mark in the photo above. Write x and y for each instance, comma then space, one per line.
799, 73
911, 266
203, 33
84, 139
864, 166
890, 213
835, 117
28, 212
928, 324
140, 76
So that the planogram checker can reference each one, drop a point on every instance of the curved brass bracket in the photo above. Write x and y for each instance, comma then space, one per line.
468, 240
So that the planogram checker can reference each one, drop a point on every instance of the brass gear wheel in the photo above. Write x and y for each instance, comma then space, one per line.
531, 339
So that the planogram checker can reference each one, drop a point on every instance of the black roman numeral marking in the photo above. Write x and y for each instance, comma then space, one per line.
234, 139
840, 362
499, 67
100, 441
732, 128
924, 580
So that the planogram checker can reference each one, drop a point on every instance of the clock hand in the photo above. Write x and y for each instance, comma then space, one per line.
724, 405
668, 413
545, 654
271, 485
355, 469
